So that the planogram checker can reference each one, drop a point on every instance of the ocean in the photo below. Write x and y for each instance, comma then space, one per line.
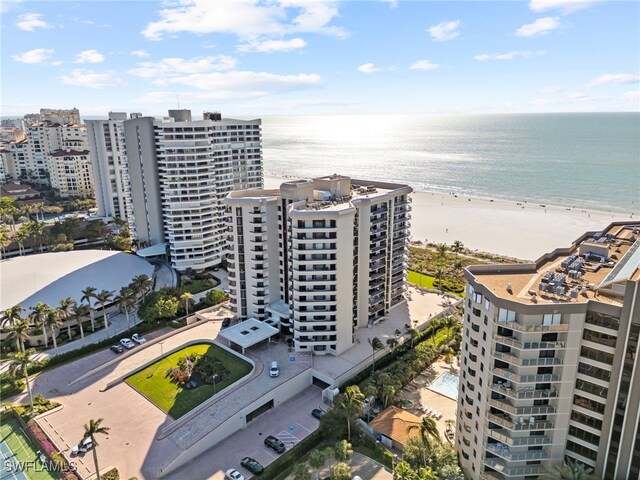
583, 160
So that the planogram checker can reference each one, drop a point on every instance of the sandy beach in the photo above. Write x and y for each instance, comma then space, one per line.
524, 230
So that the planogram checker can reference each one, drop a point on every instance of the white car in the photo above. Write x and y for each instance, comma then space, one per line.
83, 447
127, 343
139, 339
233, 474
274, 371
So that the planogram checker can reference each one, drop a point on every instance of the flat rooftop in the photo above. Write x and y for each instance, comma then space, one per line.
585, 271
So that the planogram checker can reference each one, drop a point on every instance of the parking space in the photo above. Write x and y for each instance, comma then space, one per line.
291, 422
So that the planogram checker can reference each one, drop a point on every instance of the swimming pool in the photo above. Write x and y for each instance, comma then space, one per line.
447, 385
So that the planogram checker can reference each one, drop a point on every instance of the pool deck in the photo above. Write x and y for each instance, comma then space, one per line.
422, 397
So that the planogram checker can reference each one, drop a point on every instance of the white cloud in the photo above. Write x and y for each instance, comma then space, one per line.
506, 56
233, 85
89, 56
577, 96
552, 89
613, 79
271, 46
57, 63
182, 66
369, 68
140, 53
542, 26
88, 78
392, 3
566, 6
245, 18
444, 31
424, 65
633, 95
30, 21
37, 55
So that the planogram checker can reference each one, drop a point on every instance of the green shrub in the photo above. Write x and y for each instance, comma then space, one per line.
112, 474
279, 469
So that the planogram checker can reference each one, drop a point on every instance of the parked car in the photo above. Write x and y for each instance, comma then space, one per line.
317, 413
274, 371
82, 447
275, 444
233, 474
139, 339
116, 348
226, 291
252, 465
127, 343
226, 322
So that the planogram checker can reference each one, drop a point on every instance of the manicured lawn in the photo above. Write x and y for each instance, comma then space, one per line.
16, 447
421, 280
170, 397
197, 286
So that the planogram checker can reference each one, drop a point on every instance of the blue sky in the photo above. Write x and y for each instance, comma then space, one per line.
250, 57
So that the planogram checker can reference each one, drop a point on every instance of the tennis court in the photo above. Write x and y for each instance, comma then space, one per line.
19, 458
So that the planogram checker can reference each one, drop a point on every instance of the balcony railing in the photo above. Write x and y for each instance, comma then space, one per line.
503, 436
504, 452
521, 425
546, 378
508, 471
527, 362
512, 342
524, 393
559, 327
526, 411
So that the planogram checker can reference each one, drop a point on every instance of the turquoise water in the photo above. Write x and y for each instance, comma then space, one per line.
589, 160
447, 385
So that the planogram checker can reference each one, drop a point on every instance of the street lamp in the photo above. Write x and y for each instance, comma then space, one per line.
214, 378
161, 349
394, 460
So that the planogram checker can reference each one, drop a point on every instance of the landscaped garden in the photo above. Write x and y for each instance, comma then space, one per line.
183, 380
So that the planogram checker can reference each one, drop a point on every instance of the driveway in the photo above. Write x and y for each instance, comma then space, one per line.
290, 421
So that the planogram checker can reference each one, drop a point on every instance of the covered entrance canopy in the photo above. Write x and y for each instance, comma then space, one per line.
248, 333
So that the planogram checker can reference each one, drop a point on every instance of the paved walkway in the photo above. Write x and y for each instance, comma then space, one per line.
360, 465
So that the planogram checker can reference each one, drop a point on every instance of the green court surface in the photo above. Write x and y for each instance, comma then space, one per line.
19, 457
170, 397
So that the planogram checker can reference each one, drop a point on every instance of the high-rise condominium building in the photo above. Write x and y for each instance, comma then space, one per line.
320, 257
549, 361
179, 172
110, 166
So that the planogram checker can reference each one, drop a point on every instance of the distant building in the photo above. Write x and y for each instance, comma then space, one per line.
549, 361
321, 257
180, 171
70, 173
20, 192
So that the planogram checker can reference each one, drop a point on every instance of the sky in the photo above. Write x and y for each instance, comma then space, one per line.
273, 57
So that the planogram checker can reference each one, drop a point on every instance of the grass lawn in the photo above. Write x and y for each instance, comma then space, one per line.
197, 286
421, 280
16, 447
171, 398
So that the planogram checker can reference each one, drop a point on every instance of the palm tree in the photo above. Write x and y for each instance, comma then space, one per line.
442, 249
376, 344
368, 391
88, 294
103, 298
571, 470
316, 461
126, 301
80, 314
5, 239
12, 315
428, 430
53, 321
90, 431
66, 309
38, 317
141, 285
457, 246
393, 343
19, 332
186, 298
351, 404
439, 275
19, 364
20, 237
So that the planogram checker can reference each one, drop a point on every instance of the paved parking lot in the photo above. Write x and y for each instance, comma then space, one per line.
291, 422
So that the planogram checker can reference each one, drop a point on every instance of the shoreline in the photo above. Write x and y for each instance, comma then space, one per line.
506, 227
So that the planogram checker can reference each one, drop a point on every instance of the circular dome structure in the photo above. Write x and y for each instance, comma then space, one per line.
50, 277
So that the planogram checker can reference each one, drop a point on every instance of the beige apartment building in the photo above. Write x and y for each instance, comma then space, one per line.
320, 258
549, 361
70, 173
